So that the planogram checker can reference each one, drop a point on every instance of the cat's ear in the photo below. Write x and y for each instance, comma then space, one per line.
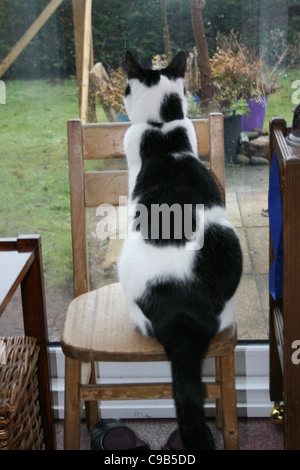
133, 68
177, 68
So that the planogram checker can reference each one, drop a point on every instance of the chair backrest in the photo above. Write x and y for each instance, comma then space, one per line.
92, 188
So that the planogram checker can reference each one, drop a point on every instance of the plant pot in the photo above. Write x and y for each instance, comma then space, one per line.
257, 114
231, 136
121, 117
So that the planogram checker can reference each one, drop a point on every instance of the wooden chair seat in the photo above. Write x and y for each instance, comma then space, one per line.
98, 327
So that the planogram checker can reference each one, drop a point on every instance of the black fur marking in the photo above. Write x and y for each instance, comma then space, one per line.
150, 77
176, 69
296, 118
220, 260
155, 124
155, 143
128, 90
171, 108
134, 70
168, 169
183, 303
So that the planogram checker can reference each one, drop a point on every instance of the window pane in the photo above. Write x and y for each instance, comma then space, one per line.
254, 53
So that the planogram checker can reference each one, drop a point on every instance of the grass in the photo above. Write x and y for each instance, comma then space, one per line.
34, 179
280, 103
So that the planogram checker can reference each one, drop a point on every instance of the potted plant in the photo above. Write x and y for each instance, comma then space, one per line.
241, 90
238, 75
111, 95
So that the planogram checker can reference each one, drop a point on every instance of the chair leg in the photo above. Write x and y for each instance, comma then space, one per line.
92, 410
72, 404
219, 422
228, 397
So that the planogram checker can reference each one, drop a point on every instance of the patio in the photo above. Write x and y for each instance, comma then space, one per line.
247, 202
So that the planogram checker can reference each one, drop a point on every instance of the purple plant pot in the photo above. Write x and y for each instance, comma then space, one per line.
121, 117
257, 114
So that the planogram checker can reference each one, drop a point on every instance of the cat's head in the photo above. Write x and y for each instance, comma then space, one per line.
155, 96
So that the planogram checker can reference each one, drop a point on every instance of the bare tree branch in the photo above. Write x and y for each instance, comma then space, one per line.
207, 88
166, 31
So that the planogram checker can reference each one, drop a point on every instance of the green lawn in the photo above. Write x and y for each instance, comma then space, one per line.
34, 179
280, 103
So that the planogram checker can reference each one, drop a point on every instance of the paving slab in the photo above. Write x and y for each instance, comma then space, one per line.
258, 239
252, 208
233, 209
251, 321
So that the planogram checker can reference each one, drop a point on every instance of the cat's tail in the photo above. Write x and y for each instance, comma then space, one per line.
186, 363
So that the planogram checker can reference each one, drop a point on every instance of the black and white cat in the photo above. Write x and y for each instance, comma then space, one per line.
179, 290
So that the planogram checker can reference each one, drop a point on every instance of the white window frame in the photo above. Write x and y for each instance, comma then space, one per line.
252, 384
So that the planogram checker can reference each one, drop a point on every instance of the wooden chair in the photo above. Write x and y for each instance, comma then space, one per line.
97, 325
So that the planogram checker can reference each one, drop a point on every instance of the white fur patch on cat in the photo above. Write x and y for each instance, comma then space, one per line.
147, 101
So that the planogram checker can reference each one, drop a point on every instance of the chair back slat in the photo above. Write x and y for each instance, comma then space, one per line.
103, 140
105, 187
202, 131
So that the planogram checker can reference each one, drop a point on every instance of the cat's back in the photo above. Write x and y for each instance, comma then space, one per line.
170, 170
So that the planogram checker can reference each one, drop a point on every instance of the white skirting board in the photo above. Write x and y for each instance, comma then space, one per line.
252, 385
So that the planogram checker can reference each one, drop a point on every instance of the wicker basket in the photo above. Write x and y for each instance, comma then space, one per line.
20, 423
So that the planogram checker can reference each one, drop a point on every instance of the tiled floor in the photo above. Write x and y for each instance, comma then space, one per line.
246, 204
254, 433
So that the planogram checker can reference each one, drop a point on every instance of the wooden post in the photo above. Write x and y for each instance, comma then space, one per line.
86, 60
30, 33
207, 88
84, 57
166, 31
216, 127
